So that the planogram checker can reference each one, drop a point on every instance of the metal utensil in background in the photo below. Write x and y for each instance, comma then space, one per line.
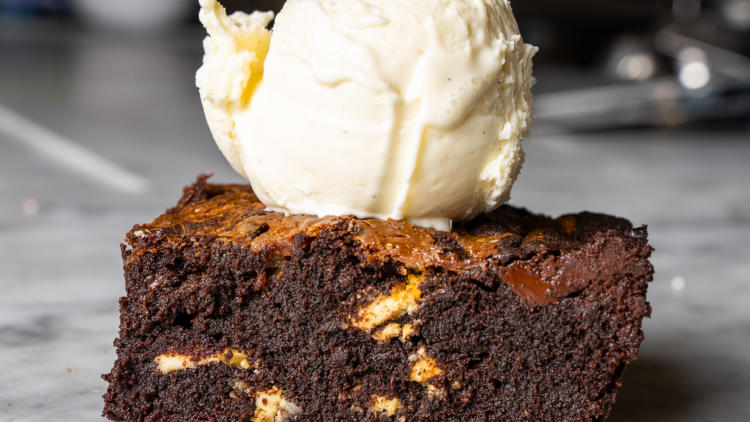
705, 79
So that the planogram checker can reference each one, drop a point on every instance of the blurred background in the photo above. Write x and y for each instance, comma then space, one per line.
643, 110
616, 63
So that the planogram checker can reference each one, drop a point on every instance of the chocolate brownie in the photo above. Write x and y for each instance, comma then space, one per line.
234, 313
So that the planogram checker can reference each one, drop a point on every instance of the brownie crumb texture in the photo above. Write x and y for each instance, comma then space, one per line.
234, 313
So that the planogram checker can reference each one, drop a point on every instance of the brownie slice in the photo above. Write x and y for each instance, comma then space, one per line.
234, 313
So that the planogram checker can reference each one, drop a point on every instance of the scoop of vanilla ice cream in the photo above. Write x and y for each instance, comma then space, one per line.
387, 108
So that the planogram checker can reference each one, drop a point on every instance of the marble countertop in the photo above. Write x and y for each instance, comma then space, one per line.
129, 106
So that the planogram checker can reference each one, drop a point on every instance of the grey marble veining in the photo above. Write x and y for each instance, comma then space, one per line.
133, 102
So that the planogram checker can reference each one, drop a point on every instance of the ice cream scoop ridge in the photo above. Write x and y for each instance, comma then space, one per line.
387, 109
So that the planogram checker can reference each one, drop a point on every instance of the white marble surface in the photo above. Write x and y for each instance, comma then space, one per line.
132, 102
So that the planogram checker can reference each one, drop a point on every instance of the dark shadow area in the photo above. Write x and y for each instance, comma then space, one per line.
656, 390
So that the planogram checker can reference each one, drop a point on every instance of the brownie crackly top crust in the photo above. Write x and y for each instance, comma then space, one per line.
234, 313
540, 258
